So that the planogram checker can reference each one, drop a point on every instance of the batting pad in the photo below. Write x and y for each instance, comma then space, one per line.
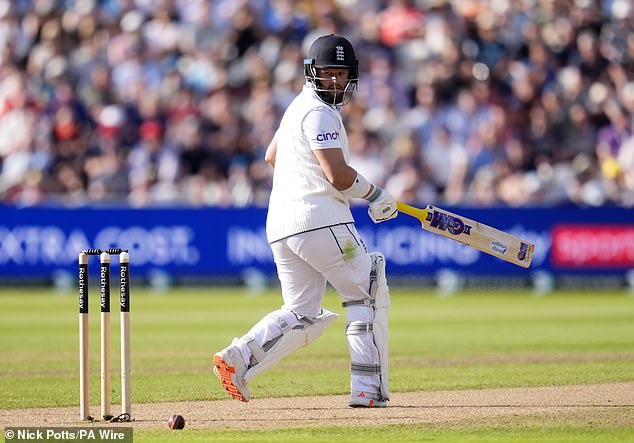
380, 294
304, 332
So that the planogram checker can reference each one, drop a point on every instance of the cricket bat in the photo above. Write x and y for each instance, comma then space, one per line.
472, 233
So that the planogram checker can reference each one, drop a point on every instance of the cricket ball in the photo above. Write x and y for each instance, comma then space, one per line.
176, 421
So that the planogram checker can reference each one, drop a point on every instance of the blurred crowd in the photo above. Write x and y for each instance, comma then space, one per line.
173, 102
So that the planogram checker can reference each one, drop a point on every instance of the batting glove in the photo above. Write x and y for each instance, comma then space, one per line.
382, 206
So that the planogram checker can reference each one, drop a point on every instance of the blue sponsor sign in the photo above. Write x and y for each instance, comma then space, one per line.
214, 242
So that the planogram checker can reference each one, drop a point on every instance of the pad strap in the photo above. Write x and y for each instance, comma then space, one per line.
358, 328
256, 351
306, 322
365, 369
364, 302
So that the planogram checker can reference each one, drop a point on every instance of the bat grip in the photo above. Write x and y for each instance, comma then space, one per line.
420, 214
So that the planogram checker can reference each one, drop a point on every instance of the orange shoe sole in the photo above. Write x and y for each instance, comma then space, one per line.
225, 372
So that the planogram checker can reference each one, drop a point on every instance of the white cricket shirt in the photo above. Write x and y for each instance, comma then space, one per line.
302, 198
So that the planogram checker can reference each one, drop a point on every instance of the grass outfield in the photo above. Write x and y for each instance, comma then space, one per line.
468, 341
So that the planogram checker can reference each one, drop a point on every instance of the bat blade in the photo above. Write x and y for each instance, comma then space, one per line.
472, 233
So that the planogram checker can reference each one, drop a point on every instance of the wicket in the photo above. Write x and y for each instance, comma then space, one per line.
84, 354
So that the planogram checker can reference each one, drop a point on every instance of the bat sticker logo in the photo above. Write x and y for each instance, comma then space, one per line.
446, 222
523, 251
498, 247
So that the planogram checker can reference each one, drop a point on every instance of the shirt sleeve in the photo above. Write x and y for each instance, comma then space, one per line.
322, 129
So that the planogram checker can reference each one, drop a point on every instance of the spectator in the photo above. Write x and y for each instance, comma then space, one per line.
538, 94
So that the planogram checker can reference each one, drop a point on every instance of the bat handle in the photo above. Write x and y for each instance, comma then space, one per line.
420, 214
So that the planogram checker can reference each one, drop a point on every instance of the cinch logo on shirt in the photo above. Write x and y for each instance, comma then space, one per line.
325, 136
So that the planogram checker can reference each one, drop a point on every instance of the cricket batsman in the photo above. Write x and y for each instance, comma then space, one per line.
314, 240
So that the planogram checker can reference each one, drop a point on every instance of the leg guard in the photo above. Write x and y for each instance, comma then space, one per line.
291, 337
365, 367
380, 295
367, 331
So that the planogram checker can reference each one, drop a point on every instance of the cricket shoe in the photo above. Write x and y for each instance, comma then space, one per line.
360, 399
230, 368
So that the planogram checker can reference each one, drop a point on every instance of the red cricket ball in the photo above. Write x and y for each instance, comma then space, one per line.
176, 421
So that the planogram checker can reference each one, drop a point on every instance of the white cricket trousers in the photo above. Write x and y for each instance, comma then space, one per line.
305, 263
